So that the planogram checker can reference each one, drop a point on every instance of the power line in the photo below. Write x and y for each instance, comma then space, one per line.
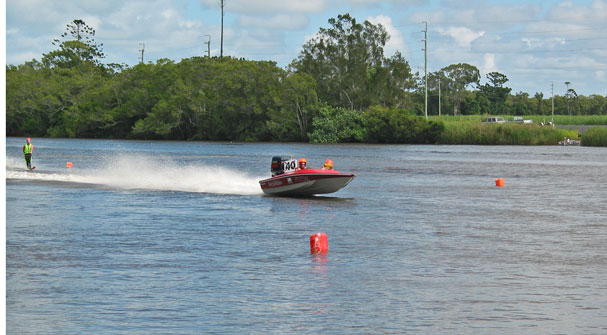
521, 42
580, 67
539, 32
538, 21
519, 51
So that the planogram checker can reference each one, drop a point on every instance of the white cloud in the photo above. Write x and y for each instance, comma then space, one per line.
533, 43
538, 43
461, 34
13, 31
280, 21
396, 42
169, 14
369, 3
268, 6
489, 63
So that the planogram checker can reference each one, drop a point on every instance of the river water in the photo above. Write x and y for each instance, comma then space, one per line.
142, 237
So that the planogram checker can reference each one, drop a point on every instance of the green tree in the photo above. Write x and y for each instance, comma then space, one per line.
78, 46
571, 101
519, 104
539, 103
347, 61
335, 125
496, 92
473, 104
298, 105
593, 105
82, 108
459, 76
386, 125
388, 85
27, 102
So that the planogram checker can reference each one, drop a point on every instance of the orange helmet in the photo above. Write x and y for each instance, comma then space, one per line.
328, 164
302, 161
28, 140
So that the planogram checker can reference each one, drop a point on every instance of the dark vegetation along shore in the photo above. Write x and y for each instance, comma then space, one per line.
341, 88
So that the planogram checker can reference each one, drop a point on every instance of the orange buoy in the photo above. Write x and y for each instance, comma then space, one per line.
319, 243
68, 165
499, 182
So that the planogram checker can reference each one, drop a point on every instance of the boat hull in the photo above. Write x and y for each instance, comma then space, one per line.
306, 182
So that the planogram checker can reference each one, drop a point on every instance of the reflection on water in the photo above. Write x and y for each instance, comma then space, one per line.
422, 241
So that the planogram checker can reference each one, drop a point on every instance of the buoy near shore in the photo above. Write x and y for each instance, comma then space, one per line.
499, 182
319, 243
68, 165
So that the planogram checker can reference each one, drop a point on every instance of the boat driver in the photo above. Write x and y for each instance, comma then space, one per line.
328, 165
302, 164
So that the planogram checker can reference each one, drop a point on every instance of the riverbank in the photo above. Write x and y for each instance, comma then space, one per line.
469, 129
400, 128
503, 134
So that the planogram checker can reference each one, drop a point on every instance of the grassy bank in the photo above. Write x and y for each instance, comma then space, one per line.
572, 120
457, 132
558, 119
595, 137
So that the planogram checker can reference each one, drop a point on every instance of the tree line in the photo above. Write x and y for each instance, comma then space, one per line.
341, 88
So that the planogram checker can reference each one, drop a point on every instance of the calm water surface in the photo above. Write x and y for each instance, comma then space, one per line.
177, 238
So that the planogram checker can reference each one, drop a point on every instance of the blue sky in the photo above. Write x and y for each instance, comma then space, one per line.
534, 43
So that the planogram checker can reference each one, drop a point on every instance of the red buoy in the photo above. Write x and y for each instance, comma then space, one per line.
499, 182
68, 165
319, 243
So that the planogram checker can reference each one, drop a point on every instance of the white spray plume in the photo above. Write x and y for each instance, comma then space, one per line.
140, 172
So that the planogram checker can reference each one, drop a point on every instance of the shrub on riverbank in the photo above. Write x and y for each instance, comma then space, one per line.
386, 125
375, 125
595, 137
337, 125
502, 134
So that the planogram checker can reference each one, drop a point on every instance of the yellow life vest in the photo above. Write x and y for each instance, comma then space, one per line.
27, 148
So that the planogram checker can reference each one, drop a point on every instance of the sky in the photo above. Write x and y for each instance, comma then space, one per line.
538, 45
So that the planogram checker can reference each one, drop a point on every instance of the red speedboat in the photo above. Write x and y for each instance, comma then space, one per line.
286, 180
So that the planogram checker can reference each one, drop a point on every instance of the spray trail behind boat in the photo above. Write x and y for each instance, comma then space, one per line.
142, 172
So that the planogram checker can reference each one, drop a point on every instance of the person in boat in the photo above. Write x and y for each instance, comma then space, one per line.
302, 164
328, 165
28, 150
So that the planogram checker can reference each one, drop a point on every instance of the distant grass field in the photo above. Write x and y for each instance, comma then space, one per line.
558, 119
457, 132
469, 129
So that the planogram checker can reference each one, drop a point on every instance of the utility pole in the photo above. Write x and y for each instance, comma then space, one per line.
553, 103
142, 49
208, 43
221, 4
568, 97
439, 96
426, 69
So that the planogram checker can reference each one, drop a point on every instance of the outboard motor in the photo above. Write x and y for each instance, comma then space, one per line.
276, 166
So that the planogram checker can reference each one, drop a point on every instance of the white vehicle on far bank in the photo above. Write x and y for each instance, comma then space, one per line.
494, 119
519, 119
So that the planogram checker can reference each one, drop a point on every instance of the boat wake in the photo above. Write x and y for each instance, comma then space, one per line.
128, 172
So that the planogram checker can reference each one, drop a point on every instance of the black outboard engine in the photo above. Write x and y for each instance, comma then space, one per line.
276, 166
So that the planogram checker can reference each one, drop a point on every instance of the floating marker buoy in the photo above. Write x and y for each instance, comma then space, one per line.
319, 243
499, 182
68, 165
